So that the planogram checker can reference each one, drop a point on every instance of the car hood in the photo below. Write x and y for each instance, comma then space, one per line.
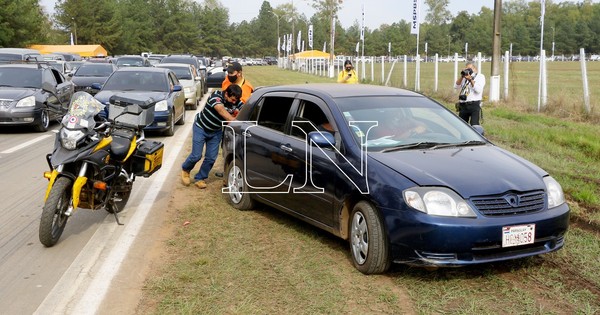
87, 81
13, 93
470, 171
104, 96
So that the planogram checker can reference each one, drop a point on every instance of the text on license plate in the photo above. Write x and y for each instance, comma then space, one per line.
518, 235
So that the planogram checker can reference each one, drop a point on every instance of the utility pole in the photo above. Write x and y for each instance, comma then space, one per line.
495, 77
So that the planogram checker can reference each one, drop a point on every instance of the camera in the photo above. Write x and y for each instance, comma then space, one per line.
466, 72
462, 97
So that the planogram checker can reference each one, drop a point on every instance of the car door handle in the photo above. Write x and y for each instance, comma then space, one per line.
246, 134
285, 148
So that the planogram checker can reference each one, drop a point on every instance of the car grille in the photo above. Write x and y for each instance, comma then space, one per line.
510, 203
5, 103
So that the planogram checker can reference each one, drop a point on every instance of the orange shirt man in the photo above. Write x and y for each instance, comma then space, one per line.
234, 75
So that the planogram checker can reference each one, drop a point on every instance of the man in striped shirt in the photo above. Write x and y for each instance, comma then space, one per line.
221, 106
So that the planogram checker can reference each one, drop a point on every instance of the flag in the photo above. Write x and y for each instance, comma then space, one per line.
299, 39
289, 43
389, 47
362, 27
357, 44
278, 42
283, 43
302, 45
72, 43
543, 9
466, 47
324, 45
310, 36
414, 25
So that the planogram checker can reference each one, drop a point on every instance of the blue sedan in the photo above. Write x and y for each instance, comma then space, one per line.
161, 84
395, 173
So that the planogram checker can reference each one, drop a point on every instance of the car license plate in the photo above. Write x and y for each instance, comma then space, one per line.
518, 235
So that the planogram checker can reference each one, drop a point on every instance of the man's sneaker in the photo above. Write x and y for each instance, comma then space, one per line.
201, 184
185, 178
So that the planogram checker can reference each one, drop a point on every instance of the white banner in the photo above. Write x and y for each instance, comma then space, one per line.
543, 9
289, 43
389, 47
310, 36
357, 45
72, 39
278, 43
299, 39
283, 43
414, 25
302, 45
324, 46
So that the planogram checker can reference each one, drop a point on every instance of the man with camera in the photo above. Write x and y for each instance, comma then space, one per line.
348, 75
471, 86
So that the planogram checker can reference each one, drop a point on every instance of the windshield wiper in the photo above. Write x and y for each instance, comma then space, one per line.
420, 145
460, 144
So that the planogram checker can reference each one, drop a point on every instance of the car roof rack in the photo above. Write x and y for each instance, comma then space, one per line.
26, 62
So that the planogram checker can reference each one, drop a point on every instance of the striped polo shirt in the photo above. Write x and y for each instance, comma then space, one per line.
209, 119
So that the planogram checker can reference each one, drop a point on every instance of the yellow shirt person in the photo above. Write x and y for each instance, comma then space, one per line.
348, 75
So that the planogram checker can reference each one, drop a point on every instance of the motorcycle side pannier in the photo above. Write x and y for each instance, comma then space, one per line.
139, 113
148, 158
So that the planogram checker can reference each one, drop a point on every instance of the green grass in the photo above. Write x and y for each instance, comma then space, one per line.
265, 262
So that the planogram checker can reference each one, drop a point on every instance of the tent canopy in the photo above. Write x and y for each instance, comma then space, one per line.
311, 54
82, 50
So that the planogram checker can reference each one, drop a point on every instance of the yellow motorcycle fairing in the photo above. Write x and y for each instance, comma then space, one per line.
52, 179
103, 143
79, 182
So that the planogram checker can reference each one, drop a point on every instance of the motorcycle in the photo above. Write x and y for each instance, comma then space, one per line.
93, 166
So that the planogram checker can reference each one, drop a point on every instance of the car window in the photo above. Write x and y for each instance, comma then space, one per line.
50, 77
309, 117
134, 62
182, 73
274, 111
385, 122
137, 81
94, 70
20, 77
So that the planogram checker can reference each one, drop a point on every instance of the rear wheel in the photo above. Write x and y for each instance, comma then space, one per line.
237, 195
42, 122
54, 219
368, 243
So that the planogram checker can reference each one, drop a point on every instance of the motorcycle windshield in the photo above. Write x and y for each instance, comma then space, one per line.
82, 110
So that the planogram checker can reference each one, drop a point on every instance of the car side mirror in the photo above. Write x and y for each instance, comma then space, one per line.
96, 86
323, 139
177, 88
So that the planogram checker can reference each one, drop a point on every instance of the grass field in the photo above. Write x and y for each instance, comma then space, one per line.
264, 262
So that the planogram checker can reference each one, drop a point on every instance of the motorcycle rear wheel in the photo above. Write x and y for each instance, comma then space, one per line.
54, 220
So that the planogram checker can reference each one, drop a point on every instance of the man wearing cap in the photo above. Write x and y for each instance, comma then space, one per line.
234, 75
348, 75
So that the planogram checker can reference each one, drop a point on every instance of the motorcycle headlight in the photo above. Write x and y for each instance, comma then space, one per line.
29, 101
161, 106
70, 138
556, 197
438, 201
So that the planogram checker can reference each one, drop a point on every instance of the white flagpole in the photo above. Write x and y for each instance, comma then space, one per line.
542, 12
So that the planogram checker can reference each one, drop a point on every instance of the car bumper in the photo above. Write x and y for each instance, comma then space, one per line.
161, 122
18, 116
420, 239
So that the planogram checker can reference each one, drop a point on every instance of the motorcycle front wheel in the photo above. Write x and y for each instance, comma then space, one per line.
54, 220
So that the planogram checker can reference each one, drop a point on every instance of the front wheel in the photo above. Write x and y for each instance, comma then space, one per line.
42, 123
368, 243
238, 195
171, 121
54, 219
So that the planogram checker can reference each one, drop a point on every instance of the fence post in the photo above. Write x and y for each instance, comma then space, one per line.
506, 67
405, 70
435, 80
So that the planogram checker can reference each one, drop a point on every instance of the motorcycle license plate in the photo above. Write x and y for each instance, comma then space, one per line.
518, 235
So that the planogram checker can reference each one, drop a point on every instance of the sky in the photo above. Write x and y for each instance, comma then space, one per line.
377, 12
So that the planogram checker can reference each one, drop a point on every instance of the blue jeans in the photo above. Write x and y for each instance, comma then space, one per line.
201, 137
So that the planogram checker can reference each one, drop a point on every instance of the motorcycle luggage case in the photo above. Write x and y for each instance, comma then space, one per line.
148, 158
118, 104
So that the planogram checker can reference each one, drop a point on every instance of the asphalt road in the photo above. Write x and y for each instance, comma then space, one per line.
75, 275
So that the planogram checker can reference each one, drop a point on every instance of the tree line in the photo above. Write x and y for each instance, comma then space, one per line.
203, 28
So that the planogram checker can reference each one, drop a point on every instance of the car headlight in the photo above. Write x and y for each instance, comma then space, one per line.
29, 101
161, 106
438, 201
556, 197
70, 138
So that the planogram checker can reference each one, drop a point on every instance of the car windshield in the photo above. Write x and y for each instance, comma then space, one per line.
188, 61
137, 81
56, 65
20, 77
94, 70
182, 73
130, 62
401, 123
9, 57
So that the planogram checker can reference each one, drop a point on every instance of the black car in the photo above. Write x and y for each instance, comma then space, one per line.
89, 73
33, 94
133, 61
191, 60
216, 75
